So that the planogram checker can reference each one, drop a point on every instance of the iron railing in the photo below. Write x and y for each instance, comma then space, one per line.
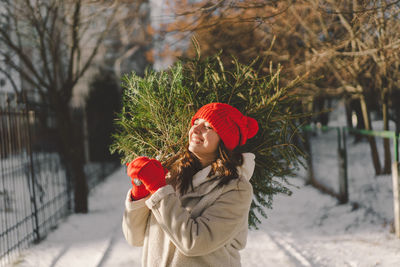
35, 191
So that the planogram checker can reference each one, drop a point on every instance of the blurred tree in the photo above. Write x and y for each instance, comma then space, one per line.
102, 104
353, 45
130, 42
366, 60
52, 44
239, 28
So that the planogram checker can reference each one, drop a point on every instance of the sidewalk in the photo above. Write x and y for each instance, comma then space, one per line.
305, 229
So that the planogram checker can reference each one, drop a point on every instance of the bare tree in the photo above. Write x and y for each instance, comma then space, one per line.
365, 61
356, 46
52, 44
353, 45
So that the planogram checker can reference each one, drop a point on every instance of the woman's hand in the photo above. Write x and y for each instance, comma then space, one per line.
149, 171
138, 190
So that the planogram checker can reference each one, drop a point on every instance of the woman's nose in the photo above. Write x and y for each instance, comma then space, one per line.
197, 128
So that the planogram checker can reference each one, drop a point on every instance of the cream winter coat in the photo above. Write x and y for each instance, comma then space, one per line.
205, 227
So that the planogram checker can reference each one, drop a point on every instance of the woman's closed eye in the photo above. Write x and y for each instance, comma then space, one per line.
206, 125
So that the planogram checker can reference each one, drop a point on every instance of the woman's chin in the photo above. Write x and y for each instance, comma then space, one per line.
194, 148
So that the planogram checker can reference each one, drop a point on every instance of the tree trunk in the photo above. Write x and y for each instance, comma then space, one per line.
371, 139
73, 155
349, 112
386, 142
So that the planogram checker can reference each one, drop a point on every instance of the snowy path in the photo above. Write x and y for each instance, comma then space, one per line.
305, 229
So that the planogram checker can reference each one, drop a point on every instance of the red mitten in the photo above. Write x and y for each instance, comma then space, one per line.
149, 171
138, 190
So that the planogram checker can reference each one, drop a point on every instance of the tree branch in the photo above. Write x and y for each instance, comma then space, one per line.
22, 56
39, 24
13, 84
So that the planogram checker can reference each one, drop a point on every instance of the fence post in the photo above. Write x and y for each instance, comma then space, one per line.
342, 153
31, 172
396, 197
307, 146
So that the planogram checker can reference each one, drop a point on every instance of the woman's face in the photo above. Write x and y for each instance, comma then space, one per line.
203, 140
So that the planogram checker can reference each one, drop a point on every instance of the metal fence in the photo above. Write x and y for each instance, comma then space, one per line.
341, 165
327, 160
35, 191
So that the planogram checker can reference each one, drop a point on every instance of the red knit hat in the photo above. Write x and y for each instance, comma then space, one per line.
230, 124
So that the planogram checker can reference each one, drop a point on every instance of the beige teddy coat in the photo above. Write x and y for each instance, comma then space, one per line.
205, 227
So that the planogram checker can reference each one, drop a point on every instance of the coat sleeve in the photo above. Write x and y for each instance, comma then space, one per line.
134, 220
214, 228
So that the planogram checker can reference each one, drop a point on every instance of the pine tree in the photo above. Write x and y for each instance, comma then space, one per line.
157, 109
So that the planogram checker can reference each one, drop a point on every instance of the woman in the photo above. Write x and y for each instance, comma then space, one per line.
194, 212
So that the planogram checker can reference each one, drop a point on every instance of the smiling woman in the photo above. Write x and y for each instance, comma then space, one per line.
203, 141
194, 210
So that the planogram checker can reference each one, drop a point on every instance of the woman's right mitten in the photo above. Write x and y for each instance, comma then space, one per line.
138, 190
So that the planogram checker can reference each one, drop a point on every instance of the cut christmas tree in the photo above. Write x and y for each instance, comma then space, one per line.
157, 109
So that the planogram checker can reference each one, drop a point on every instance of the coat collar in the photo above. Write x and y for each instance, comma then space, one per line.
245, 171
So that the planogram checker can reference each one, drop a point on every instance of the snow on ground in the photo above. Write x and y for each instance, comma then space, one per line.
305, 229
315, 231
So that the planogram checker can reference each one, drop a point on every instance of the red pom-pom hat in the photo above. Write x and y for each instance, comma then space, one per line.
231, 125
